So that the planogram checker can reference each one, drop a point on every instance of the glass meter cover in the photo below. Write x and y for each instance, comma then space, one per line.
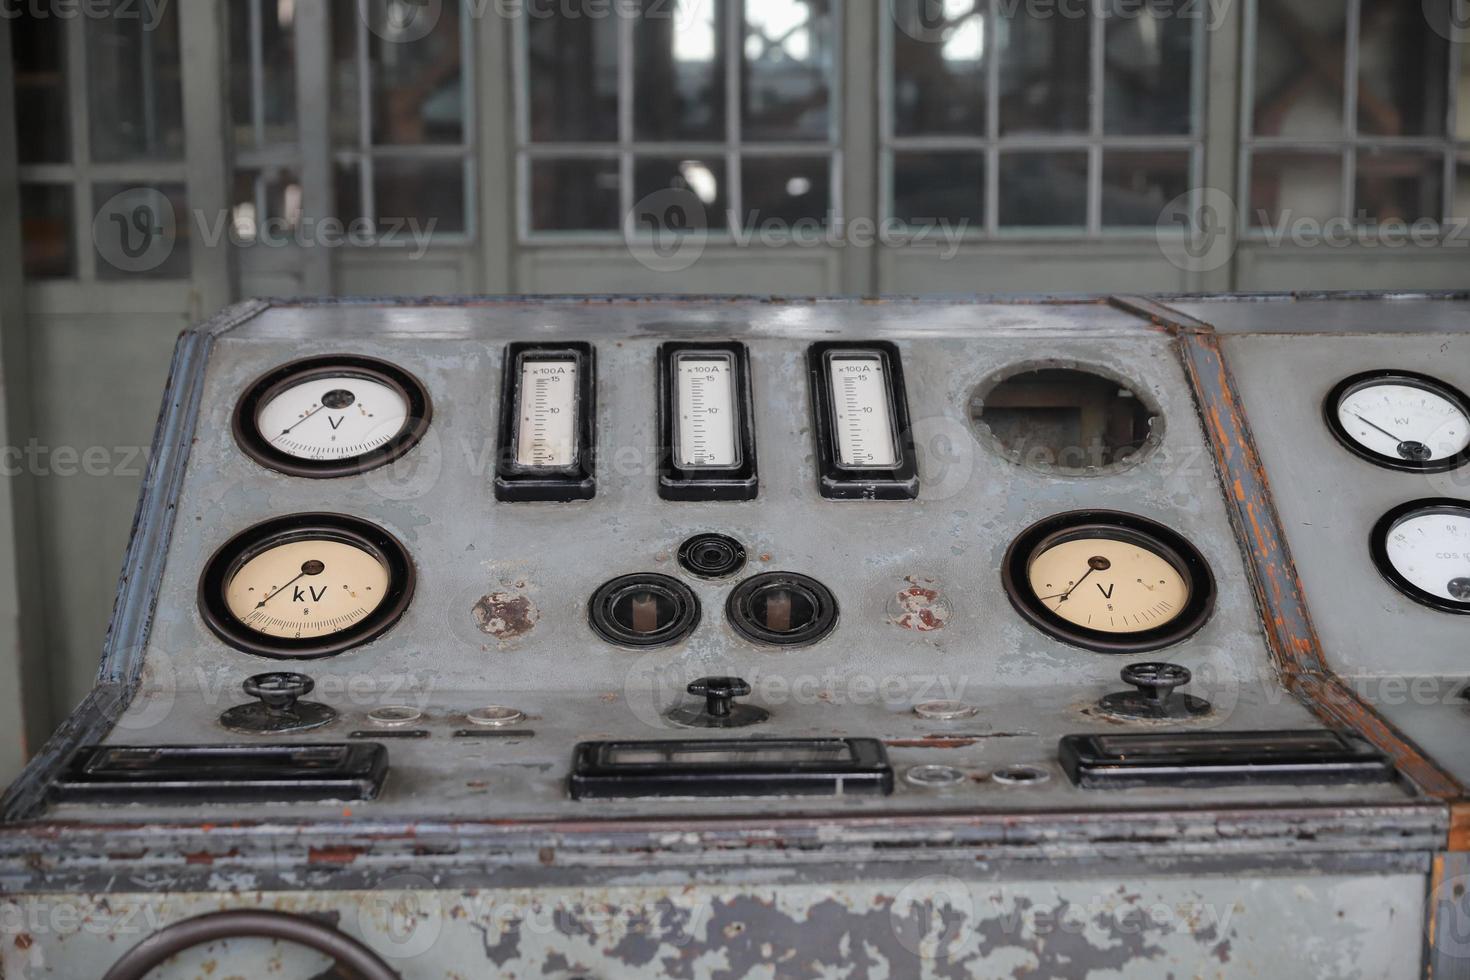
1109, 582
864, 440
706, 423
332, 416
1401, 420
547, 423
305, 586
1423, 549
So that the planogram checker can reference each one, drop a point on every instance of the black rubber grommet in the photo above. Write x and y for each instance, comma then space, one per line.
609, 611
812, 621
712, 556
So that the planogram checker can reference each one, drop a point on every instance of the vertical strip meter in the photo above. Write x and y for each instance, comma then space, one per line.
548, 422
864, 441
706, 423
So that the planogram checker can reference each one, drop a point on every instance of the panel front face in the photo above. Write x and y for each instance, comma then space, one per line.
842, 616
1371, 505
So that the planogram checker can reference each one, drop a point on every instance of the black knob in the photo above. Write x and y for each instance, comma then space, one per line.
1156, 681
279, 691
718, 692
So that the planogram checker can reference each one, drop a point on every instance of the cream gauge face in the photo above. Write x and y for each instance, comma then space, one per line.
1402, 420
1423, 548
1113, 585
333, 418
1109, 581
861, 413
547, 416
707, 411
307, 588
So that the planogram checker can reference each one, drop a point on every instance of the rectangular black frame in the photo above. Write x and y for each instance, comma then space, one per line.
839, 482
675, 482
1209, 758
556, 484
597, 776
192, 774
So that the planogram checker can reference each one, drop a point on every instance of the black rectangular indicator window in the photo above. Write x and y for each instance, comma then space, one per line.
1221, 759
548, 423
192, 774
865, 444
706, 423
731, 767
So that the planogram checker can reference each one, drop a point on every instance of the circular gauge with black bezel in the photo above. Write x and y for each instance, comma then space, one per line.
1109, 582
1401, 420
1423, 549
330, 416
306, 586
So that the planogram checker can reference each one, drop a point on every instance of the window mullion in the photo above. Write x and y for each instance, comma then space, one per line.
626, 25
81, 147
1097, 37
992, 118
734, 29
1350, 109
368, 192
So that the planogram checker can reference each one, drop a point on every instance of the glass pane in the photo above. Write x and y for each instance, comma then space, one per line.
134, 92
787, 189
417, 93
1148, 64
266, 206
789, 59
1044, 69
1301, 49
575, 195
277, 80
1043, 190
573, 76
46, 231
141, 231
346, 79
348, 178
1138, 185
931, 186
1289, 186
419, 197
679, 70
1402, 66
705, 179
939, 67
1399, 185
1462, 93
38, 48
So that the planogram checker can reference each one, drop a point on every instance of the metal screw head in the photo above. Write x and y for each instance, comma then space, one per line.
933, 777
945, 710
495, 716
394, 716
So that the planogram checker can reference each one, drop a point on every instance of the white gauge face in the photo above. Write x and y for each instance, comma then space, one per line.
707, 412
309, 588
333, 418
547, 434
861, 412
1431, 550
1404, 421
1114, 585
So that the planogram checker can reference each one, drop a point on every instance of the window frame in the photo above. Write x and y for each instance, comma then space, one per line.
1351, 142
1095, 142
628, 149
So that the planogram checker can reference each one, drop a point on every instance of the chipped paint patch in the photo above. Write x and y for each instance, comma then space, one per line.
920, 606
506, 615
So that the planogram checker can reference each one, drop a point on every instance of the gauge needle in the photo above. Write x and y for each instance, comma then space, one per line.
1066, 595
287, 431
1378, 427
307, 568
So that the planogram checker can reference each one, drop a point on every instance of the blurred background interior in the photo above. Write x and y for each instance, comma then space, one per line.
524, 133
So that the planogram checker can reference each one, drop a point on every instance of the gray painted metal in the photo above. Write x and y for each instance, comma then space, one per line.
468, 814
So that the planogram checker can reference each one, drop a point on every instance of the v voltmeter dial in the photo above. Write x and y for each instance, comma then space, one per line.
1109, 582
332, 416
1423, 549
306, 586
1401, 420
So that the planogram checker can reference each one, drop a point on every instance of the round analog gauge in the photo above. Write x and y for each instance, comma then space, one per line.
1109, 582
1401, 420
309, 585
332, 416
1423, 548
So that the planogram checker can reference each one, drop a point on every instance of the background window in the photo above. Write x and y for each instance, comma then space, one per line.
1386, 147
730, 101
1057, 119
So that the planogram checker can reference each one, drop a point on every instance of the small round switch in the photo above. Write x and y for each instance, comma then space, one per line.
1155, 696
278, 708
720, 709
